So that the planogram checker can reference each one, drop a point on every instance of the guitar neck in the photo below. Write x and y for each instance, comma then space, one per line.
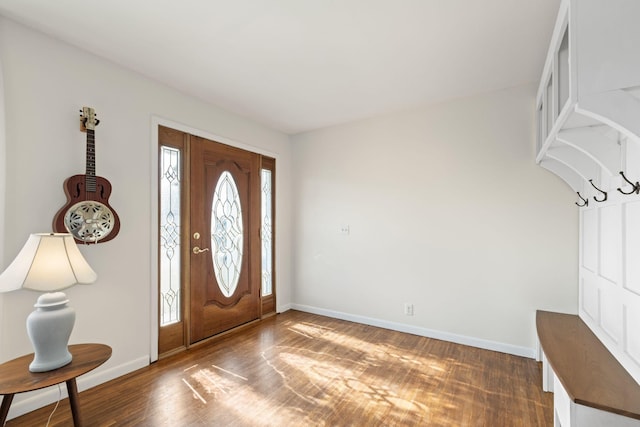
90, 175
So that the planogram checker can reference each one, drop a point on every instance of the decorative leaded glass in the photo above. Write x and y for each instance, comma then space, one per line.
226, 234
170, 236
266, 233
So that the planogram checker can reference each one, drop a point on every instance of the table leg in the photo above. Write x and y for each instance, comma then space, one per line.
4, 409
72, 388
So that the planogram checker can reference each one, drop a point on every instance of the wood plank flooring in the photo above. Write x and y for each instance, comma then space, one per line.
299, 369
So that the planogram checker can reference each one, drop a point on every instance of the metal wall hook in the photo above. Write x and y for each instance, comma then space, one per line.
603, 192
636, 186
585, 202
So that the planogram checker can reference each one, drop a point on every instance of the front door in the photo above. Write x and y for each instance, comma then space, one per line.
225, 270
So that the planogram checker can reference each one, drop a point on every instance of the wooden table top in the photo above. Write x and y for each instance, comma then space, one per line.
587, 370
15, 376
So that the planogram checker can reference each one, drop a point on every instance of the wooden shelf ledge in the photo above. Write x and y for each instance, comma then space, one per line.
588, 372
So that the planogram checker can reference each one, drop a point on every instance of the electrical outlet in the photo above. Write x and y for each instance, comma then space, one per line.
344, 229
408, 309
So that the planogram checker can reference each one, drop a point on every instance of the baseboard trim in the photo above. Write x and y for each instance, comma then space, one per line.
424, 332
27, 402
284, 307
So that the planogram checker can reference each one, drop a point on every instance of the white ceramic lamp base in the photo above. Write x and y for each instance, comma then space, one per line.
49, 327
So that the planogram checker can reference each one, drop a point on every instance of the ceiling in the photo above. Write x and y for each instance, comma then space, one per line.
298, 65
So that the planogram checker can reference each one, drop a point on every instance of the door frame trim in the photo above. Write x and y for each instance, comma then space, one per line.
153, 206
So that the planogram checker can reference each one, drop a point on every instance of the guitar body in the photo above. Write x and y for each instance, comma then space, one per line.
92, 216
87, 215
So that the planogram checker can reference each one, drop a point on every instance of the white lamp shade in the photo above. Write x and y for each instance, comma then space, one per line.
47, 262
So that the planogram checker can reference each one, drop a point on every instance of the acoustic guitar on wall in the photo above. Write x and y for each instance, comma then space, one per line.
87, 214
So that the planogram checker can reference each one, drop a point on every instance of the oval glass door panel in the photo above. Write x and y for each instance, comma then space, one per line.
226, 234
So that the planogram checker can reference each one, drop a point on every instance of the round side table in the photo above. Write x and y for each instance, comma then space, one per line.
15, 376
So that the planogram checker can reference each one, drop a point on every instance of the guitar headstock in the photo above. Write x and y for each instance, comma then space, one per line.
88, 119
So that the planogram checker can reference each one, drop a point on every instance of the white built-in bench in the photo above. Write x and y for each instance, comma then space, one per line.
591, 388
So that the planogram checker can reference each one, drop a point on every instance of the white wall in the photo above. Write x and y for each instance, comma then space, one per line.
448, 211
46, 82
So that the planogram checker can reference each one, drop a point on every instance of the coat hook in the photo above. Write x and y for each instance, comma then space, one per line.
585, 202
635, 189
603, 192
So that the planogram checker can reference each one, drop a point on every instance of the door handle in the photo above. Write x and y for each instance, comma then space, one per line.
197, 250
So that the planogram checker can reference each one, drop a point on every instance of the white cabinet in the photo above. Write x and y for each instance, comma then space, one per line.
588, 112
588, 101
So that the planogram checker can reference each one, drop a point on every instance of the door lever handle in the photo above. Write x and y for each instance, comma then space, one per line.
197, 250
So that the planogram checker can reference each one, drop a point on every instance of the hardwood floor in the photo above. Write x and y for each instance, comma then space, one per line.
299, 369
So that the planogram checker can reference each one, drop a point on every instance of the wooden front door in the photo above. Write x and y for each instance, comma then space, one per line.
224, 237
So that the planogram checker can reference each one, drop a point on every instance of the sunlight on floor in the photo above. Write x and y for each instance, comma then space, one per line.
304, 370
348, 372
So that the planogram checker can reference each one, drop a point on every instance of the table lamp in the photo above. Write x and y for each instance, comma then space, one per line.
49, 262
